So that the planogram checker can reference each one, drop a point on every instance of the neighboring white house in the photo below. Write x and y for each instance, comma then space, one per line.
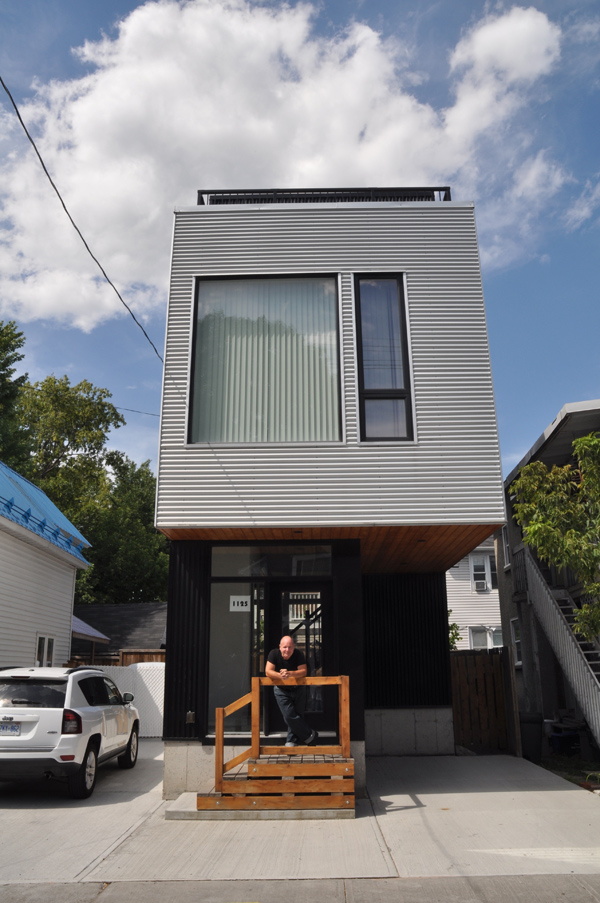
40, 552
472, 590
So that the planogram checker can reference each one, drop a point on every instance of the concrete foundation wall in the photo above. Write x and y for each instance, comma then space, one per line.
409, 732
190, 767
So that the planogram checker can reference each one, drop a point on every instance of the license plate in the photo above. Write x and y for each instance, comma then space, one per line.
14, 729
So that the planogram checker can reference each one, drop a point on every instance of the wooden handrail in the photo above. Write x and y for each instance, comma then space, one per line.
300, 681
253, 700
239, 704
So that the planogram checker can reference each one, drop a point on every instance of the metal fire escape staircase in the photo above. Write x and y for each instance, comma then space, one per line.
579, 660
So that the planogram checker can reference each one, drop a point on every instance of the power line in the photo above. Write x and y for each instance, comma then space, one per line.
133, 411
73, 223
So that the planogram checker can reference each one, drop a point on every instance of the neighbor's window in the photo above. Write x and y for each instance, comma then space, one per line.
265, 361
515, 629
384, 388
484, 576
506, 546
479, 638
44, 651
485, 637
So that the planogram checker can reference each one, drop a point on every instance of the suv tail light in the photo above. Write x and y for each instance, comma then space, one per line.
71, 723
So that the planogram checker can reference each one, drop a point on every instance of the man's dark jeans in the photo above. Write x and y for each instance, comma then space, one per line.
292, 703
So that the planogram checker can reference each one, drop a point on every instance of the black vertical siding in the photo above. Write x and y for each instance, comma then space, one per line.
186, 658
348, 636
407, 658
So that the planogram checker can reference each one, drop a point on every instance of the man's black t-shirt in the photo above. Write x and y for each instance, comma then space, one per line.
295, 660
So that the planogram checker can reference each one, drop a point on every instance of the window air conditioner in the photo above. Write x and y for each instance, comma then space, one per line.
480, 586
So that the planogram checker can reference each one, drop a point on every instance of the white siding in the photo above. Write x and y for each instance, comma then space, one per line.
469, 608
36, 597
449, 475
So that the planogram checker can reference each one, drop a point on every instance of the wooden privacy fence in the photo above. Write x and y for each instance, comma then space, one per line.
134, 656
485, 710
256, 750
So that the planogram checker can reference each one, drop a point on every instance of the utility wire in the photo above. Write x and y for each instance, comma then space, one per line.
73, 223
133, 411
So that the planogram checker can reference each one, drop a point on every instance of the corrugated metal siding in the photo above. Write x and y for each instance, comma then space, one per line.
470, 609
407, 660
450, 475
36, 597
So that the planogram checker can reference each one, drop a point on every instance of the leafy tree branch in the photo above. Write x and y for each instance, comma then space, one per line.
559, 511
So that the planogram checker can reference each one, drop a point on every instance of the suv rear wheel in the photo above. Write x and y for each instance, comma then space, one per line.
129, 757
82, 783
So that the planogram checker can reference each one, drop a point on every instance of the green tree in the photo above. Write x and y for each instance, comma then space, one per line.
69, 426
453, 633
14, 434
129, 557
103, 493
559, 510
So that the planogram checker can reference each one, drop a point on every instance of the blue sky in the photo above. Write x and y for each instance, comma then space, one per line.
136, 106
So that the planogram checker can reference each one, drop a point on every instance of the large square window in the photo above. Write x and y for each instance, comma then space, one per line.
265, 361
382, 359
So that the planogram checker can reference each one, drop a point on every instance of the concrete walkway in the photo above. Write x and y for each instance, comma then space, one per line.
443, 828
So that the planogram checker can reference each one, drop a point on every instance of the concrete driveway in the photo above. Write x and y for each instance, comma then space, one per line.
461, 824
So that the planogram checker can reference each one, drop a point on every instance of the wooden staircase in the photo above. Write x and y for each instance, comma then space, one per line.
275, 782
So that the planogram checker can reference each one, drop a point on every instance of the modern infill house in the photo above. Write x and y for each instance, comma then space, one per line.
328, 449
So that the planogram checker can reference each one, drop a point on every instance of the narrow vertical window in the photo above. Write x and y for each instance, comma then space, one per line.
383, 359
515, 629
506, 546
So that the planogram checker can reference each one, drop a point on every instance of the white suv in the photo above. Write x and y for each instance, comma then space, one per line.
63, 723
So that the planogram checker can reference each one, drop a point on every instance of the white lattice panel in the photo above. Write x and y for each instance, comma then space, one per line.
146, 680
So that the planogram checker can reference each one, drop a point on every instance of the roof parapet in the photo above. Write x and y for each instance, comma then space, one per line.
322, 195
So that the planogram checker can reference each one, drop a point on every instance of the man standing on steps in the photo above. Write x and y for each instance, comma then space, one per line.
285, 662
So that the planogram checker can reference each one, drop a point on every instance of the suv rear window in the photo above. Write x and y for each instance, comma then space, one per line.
42, 694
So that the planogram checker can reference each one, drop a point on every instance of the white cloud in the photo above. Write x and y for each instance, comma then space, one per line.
517, 46
226, 93
507, 221
584, 207
585, 31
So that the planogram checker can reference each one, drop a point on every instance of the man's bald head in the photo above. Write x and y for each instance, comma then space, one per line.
286, 647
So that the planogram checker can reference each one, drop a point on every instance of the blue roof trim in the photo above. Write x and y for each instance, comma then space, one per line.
26, 505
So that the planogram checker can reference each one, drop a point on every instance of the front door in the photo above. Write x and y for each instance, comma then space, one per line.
304, 612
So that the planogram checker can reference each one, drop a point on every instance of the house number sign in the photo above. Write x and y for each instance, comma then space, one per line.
239, 603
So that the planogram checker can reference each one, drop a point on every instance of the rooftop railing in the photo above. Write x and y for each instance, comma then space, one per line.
322, 195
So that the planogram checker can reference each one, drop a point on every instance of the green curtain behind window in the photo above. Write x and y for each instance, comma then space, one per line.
266, 361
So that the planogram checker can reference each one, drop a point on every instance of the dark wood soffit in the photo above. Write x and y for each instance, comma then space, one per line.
384, 550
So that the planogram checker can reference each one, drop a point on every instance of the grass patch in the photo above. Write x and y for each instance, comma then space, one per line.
571, 768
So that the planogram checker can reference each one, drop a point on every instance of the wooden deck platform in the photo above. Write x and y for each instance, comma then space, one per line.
311, 780
273, 779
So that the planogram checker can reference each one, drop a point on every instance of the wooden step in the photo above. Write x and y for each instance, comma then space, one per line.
299, 750
305, 766
288, 785
228, 803
285, 782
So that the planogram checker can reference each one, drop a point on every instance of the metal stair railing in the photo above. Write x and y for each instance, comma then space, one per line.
571, 658
590, 648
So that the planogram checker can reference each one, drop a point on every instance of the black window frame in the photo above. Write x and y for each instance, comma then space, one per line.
243, 276
380, 394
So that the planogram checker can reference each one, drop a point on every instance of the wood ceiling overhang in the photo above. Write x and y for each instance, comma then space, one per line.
384, 549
